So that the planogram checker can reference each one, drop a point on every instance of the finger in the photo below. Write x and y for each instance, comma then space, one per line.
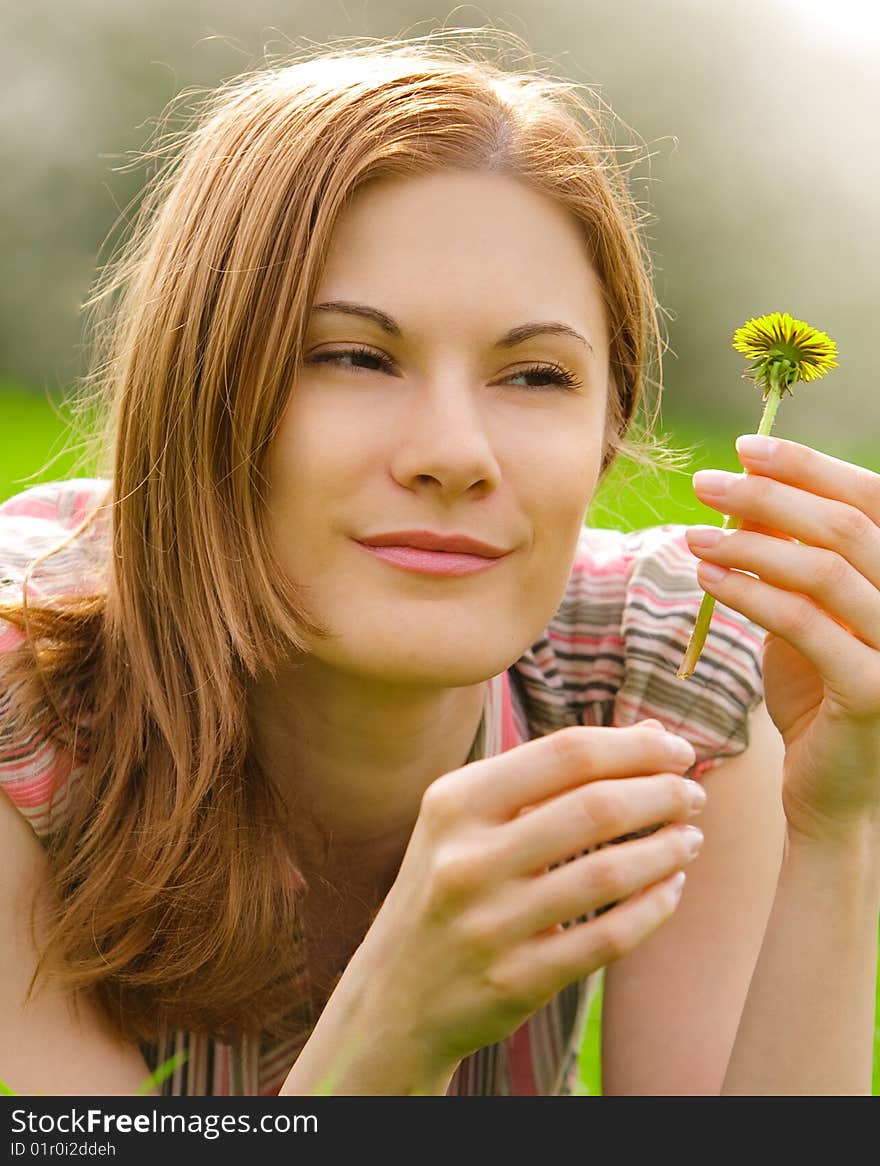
591, 814
830, 477
760, 528
819, 521
529, 906
825, 576
549, 962
850, 668
497, 788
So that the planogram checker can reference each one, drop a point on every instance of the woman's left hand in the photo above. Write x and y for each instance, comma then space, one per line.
810, 531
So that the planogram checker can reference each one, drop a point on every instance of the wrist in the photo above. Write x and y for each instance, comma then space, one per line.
395, 1038
363, 1045
859, 837
847, 859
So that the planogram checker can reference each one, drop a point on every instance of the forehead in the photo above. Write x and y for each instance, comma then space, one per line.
480, 241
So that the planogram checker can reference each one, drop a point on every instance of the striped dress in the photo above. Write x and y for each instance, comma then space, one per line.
608, 657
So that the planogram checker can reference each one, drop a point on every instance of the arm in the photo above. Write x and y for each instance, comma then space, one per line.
671, 1008
46, 1047
353, 1050
808, 1024
734, 995
814, 585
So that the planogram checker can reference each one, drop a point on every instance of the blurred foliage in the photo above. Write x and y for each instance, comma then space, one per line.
759, 192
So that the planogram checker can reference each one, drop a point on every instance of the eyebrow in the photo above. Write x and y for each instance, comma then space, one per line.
515, 336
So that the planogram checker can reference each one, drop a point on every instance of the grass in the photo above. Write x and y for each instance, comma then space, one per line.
32, 438
31, 434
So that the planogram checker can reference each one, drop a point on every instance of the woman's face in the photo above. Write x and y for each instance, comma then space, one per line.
436, 422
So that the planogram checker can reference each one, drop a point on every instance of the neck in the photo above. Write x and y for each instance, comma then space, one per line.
357, 755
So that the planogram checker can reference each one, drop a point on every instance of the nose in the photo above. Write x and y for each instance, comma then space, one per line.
443, 443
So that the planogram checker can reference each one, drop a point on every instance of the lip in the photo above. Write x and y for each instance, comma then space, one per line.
429, 540
427, 553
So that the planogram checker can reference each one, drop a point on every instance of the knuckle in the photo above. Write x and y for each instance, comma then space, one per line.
849, 524
612, 939
799, 617
455, 876
440, 803
832, 570
506, 987
477, 934
571, 746
606, 877
600, 810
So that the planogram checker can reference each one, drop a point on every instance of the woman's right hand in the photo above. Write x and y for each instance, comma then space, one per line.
469, 941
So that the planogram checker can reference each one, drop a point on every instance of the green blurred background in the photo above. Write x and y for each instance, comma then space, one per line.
748, 130
754, 124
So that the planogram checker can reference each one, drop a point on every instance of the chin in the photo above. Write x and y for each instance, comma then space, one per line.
447, 662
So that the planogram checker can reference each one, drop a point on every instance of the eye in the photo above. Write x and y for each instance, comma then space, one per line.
553, 374
362, 359
367, 360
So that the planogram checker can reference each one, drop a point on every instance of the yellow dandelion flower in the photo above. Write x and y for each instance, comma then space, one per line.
784, 350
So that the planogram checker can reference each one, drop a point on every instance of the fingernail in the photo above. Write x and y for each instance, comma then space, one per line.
656, 724
705, 536
712, 573
696, 793
755, 446
713, 481
693, 837
680, 750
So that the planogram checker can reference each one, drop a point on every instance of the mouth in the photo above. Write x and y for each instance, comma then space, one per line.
421, 561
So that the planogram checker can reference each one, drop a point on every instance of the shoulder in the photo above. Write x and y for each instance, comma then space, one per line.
712, 707
611, 653
576, 666
33, 523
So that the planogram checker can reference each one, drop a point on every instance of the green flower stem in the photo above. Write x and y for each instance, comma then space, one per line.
704, 615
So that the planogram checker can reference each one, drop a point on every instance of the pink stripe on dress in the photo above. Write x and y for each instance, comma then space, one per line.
509, 735
519, 1044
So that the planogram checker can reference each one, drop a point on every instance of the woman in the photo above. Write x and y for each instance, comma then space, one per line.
323, 700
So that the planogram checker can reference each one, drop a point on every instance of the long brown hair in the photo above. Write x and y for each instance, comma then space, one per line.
174, 908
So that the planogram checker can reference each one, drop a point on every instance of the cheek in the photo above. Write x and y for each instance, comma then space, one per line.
562, 486
557, 520
313, 455
560, 498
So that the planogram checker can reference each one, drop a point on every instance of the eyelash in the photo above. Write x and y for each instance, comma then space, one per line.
558, 375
